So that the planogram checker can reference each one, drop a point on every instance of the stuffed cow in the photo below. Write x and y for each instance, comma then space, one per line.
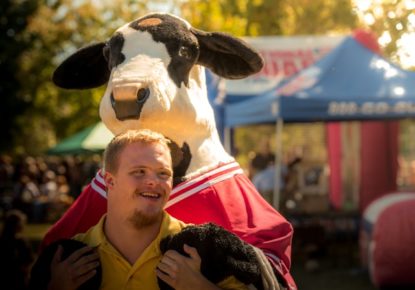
222, 254
154, 71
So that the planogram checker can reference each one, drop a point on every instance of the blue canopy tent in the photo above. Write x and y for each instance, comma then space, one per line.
350, 83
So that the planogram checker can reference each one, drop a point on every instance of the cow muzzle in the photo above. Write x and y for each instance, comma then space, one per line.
128, 100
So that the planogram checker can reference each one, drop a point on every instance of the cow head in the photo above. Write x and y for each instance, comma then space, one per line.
154, 75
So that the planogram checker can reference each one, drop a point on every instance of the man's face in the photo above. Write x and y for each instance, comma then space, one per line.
139, 190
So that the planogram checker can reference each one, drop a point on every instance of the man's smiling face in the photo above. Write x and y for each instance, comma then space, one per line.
140, 187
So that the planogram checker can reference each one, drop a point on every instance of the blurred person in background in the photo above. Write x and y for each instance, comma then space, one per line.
16, 254
261, 159
264, 180
25, 193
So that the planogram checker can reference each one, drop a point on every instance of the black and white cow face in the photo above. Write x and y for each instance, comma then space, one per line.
154, 81
153, 69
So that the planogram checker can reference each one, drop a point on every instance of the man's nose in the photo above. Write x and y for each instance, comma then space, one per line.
151, 179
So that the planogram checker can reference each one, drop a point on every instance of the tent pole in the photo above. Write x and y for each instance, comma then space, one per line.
278, 162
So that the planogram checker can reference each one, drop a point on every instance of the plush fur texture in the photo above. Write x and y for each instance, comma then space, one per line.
223, 254
40, 275
162, 55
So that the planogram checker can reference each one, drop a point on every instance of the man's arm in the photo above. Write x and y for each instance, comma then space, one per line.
183, 273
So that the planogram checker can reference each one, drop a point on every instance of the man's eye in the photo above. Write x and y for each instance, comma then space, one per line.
139, 172
165, 174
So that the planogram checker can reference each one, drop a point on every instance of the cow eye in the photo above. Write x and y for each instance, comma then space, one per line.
185, 52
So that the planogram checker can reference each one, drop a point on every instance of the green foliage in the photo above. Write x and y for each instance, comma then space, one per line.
390, 20
55, 113
36, 36
318, 17
271, 17
14, 41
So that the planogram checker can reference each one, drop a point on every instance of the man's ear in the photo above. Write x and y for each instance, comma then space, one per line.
109, 180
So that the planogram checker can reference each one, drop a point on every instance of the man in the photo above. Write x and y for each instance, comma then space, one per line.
138, 175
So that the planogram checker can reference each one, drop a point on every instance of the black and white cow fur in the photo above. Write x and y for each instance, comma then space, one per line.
154, 71
153, 67
222, 253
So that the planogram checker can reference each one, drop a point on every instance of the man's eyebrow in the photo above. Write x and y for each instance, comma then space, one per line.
133, 167
145, 166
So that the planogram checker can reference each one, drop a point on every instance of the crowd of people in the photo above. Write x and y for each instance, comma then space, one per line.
34, 190
43, 187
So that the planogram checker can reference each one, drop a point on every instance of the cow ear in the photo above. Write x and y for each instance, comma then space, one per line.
85, 69
227, 56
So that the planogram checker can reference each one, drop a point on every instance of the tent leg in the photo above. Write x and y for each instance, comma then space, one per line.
228, 139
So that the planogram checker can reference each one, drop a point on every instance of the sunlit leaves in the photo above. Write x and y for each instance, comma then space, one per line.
391, 20
271, 17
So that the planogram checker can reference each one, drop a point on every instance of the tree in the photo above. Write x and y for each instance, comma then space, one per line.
392, 21
14, 41
56, 29
271, 17
54, 26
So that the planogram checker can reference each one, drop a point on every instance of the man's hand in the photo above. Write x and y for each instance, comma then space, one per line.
183, 273
75, 270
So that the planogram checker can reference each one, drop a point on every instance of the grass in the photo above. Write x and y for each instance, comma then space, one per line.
36, 232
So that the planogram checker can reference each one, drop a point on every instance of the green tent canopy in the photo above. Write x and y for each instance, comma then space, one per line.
92, 139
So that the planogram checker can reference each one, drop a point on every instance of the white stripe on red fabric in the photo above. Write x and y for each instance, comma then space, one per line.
186, 192
100, 178
98, 184
205, 175
99, 187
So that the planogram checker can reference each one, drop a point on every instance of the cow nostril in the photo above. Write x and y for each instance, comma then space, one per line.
142, 95
112, 100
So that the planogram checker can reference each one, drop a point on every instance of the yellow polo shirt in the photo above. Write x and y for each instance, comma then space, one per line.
118, 273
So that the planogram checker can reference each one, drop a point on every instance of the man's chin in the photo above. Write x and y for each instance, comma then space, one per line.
142, 220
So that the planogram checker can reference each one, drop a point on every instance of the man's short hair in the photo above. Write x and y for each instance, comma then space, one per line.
119, 142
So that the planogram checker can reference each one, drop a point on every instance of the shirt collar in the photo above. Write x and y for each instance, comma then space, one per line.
97, 233
168, 225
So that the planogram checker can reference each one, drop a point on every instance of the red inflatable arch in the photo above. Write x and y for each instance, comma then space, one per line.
388, 240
